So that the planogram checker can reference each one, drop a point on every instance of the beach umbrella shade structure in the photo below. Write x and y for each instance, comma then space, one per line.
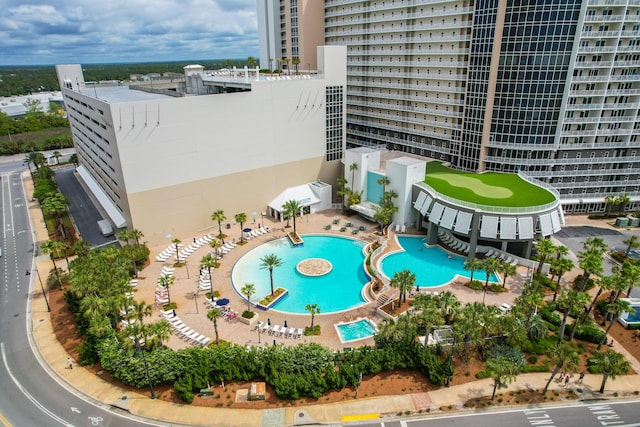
222, 301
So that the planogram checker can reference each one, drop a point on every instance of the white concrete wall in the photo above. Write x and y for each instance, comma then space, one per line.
403, 172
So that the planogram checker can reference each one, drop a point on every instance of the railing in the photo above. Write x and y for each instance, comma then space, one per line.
488, 208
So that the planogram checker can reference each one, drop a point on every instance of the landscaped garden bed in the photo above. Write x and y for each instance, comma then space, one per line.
268, 301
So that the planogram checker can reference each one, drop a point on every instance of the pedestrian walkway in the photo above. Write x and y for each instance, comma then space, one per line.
96, 389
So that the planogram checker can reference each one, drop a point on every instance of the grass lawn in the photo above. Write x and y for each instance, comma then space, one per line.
489, 188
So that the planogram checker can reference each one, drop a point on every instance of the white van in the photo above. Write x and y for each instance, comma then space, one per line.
105, 228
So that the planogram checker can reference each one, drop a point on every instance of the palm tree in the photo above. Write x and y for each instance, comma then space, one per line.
251, 62
57, 155
567, 302
35, 157
353, 167
632, 243
214, 314
248, 290
630, 273
612, 363
614, 308
218, 216
209, 262
507, 270
563, 358
270, 65
489, 265
292, 209
215, 245
622, 201
296, 61
313, 309
136, 235
591, 259
82, 248
403, 280
384, 181
176, 243
56, 204
342, 190
545, 248
241, 218
124, 235
449, 306
503, 371
559, 266
472, 264
53, 248
269, 262
166, 281
609, 201
74, 159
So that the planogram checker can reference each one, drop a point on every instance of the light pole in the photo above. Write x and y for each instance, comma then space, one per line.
450, 376
187, 268
262, 225
44, 294
258, 333
195, 298
146, 369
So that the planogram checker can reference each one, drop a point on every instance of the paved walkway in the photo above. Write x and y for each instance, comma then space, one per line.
139, 404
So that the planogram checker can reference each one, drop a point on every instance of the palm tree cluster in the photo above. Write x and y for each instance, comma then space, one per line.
383, 213
100, 295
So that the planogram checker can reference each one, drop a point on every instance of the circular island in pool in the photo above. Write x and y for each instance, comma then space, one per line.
314, 267
337, 284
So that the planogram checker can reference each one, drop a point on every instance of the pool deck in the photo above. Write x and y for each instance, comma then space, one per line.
191, 308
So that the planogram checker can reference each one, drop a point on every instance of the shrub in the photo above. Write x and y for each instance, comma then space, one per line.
476, 285
483, 374
544, 345
548, 314
248, 314
590, 333
535, 368
533, 359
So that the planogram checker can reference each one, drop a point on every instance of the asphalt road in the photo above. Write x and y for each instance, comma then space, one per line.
82, 210
31, 394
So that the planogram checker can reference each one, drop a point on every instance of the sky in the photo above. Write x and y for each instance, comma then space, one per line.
106, 31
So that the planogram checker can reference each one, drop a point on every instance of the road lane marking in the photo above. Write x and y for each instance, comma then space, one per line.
26, 393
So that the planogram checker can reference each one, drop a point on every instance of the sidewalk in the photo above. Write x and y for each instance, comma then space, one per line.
87, 383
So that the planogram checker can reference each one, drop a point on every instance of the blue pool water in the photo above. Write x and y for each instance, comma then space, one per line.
431, 266
340, 289
634, 317
357, 330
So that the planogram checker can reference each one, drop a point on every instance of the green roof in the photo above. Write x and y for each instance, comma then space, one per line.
489, 188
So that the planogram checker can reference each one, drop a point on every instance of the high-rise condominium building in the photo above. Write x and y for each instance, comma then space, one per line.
290, 31
547, 88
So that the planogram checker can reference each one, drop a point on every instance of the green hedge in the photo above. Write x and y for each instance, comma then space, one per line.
535, 368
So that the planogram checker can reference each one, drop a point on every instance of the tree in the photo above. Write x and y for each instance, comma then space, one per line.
630, 272
559, 266
313, 309
472, 264
57, 155
383, 213
612, 363
53, 248
591, 259
215, 245
448, 305
609, 201
384, 181
136, 235
489, 265
507, 270
176, 243
270, 64
614, 308
403, 280
56, 204
632, 243
269, 262
565, 359
219, 216
124, 235
342, 190
251, 62
248, 290
36, 158
566, 303
545, 248
74, 159
622, 201
166, 281
214, 314
353, 167
502, 371
291, 208
241, 218
209, 262
82, 248
296, 61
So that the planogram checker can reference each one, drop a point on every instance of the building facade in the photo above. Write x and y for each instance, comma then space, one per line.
548, 88
289, 32
162, 160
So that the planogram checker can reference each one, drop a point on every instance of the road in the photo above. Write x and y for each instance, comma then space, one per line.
583, 414
31, 395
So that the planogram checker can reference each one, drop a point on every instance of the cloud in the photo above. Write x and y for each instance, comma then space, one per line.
80, 31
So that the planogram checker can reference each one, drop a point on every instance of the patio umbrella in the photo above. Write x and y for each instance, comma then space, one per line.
222, 301
285, 324
269, 321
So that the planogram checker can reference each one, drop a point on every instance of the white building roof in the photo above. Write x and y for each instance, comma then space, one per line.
303, 194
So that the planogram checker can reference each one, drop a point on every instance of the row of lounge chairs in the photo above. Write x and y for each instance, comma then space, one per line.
401, 228
279, 331
197, 244
501, 256
162, 293
167, 253
184, 331
256, 232
453, 243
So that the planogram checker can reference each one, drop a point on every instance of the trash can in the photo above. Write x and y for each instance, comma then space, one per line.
634, 222
228, 226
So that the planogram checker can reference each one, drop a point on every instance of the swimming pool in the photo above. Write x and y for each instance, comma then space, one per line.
357, 330
432, 266
338, 289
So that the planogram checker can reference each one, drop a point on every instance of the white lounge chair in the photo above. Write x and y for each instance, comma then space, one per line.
397, 228
299, 333
291, 333
403, 229
275, 330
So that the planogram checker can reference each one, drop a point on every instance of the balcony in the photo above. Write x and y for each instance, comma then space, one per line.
422, 63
